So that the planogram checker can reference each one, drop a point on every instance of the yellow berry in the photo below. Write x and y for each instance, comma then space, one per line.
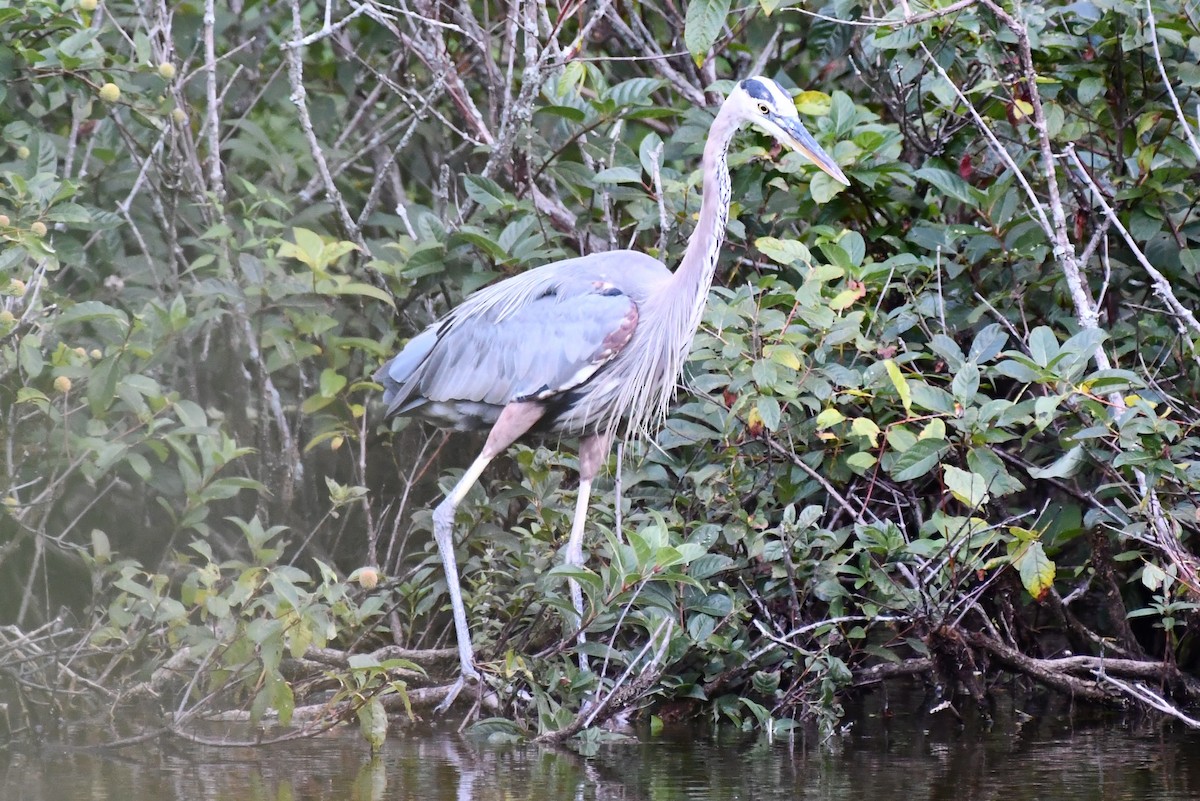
81, 352
22, 152
110, 93
179, 115
166, 70
17, 287
7, 318
11, 502
368, 577
96, 354
336, 442
38, 228
88, 5
62, 384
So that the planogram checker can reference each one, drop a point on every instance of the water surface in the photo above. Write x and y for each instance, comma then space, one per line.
892, 751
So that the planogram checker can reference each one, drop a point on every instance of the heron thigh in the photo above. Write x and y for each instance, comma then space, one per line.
515, 419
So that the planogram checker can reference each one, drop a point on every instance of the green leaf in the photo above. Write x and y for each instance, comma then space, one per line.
355, 288
861, 462
1113, 381
900, 384
969, 489
965, 383
866, 427
855, 246
1062, 467
310, 245
703, 24
29, 355
373, 723
1043, 346
633, 92
567, 112
650, 153
332, 382
824, 188
485, 192
618, 175
1044, 409
995, 475
918, 460
988, 344
709, 565
783, 251
1153, 577
769, 411
829, 417
951, 185
1036, 569
480, 240
90, 310
581, 575
813, 103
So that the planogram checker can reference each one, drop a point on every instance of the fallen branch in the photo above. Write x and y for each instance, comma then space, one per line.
884, 671
1144, 695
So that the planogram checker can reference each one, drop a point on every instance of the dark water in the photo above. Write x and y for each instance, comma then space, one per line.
904, 755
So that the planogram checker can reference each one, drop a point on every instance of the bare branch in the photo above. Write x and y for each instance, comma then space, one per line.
349, 228
1162, 70
216, 183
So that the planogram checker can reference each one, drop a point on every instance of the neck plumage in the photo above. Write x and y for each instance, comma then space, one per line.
671, 316
687, 292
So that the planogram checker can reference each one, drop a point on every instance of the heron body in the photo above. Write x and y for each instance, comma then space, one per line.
579, 347
557, 335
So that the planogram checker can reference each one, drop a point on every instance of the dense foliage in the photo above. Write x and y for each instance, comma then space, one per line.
941, 422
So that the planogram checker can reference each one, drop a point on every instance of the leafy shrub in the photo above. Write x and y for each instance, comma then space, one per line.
937, 423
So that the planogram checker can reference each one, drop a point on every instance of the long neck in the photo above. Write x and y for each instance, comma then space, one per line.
688, 290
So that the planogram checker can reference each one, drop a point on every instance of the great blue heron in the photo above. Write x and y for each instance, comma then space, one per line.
579, 346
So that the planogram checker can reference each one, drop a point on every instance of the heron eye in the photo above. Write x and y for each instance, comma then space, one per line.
763, 108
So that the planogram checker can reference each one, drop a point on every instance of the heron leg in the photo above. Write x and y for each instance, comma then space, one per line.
592, 450
514, 420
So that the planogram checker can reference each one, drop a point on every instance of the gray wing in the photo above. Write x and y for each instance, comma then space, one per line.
530, 337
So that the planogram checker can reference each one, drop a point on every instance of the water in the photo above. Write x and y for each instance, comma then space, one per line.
902, 753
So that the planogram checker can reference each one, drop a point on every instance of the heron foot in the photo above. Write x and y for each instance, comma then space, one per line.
455, 689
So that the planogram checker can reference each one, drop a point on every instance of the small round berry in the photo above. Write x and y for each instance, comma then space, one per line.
38, 228
166, 70
62, 384
110, 93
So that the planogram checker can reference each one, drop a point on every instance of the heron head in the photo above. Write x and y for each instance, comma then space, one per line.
767, 106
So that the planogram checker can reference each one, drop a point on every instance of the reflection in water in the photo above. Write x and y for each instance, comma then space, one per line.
909, 752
